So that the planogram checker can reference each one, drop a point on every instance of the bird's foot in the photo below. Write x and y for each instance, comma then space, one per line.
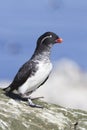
31, 104
34, 98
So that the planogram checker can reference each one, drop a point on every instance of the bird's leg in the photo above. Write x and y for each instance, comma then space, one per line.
29, 98
33, 104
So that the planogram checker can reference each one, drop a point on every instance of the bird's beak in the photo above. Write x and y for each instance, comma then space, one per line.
59, 40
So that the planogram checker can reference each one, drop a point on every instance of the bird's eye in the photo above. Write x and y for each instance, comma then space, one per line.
50, 35
46, 37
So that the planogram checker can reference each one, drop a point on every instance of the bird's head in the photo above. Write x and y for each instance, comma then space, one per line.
48, 39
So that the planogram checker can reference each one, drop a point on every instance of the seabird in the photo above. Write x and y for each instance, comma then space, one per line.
35, 71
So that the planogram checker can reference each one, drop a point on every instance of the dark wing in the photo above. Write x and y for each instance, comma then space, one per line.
26, 71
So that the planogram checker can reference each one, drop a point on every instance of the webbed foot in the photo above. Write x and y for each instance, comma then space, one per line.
31, 104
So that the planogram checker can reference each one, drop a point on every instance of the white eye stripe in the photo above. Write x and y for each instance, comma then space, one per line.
46, 38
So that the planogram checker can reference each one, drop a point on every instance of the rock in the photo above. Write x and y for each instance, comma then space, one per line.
17, 115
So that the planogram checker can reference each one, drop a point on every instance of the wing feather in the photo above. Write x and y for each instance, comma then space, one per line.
26, 71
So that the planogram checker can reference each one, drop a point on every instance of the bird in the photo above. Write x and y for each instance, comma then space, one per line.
35, 72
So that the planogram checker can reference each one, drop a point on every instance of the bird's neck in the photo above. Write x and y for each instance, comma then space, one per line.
42, 53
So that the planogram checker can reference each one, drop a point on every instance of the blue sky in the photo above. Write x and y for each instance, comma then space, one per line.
22, 22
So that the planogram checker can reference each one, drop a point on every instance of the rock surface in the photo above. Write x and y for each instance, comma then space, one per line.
17, 115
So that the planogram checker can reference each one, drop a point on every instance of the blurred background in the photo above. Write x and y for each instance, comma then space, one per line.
22, 22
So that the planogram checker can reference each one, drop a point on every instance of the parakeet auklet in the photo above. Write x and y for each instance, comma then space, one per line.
35, 71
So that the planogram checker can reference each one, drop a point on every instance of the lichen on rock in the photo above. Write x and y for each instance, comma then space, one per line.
17, 115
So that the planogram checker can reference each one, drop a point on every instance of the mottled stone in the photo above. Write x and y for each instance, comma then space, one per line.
17, 115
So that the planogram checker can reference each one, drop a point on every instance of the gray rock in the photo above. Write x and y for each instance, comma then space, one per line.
17, 115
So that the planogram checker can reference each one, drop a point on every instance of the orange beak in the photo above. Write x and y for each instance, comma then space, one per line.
59, 40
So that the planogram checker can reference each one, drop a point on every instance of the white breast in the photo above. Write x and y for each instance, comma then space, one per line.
33, 82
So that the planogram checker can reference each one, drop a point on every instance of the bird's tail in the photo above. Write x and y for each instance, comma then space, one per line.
7, 89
